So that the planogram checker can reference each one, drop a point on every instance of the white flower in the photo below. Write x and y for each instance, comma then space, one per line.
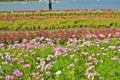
76, 60
1, 71
71, 65
0, 54
58, 72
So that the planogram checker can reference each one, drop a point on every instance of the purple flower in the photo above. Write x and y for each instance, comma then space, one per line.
17, 73
32, 41
24, 41
15, 46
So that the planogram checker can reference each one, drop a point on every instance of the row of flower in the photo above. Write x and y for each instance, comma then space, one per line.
59, 13
93, 56
74, 15
59, 23
62, 35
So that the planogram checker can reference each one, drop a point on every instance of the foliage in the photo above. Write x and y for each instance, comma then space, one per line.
54, 23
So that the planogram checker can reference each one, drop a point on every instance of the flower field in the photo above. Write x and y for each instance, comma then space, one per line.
94, 55
85, 53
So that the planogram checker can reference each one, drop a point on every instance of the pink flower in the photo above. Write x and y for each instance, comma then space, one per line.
17, 73
90, 58
14, 59
24, 41
112, 47
10, 77
7, 56
32, 53
101, 35
95, 60
117, 33
36, 75
48, 58
85, 53
29, 45
42, 63
21, 60
64, 55
57, 53
42, 79
72, 56
1, 45
118, 47
32, 41
26, 65
91, 75
90, 68
73, 40
118, 50
5, 62
89, 64
87, 43
30, 50
57, 48
105, 41
114, 58
109, 35
65, 50
90, 36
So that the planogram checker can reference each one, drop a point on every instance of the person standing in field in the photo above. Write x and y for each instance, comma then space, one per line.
50, 4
